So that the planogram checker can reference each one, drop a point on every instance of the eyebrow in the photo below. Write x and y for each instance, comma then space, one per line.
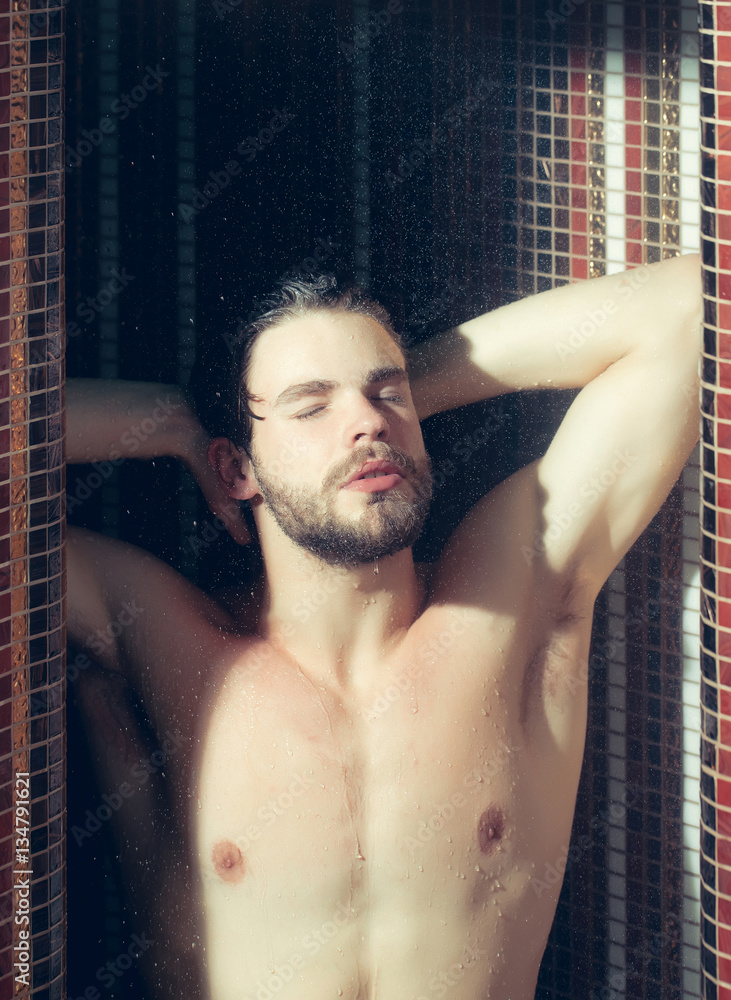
317, 387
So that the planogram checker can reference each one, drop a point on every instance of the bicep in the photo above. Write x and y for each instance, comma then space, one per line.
125, 606
619, 450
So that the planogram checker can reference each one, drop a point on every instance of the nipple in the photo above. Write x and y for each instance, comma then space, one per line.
228, 862
490, 829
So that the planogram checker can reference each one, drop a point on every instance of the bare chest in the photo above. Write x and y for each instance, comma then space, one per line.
297, 786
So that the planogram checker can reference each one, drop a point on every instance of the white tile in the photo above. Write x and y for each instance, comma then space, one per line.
615, 204
615, 154
690, 137
689, 183
689, 168
690, 212
614, 63
615, 255
615, 179
614, 110
615, 14
613, 82
690, 239
690, 91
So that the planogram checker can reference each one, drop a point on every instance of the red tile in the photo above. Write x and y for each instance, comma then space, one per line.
633, 157
633, 63
633, 135
723, 642
634, 253
578, 82
633, 86
724, 286
723, 196
723, 495
724, 969
579, 222
723, 405
723, 762
633, 111
723, 856
723, 79
578, 105
723, 528
723, 48
724, 375
723, 583
723, 794
724, 671
633, 180
578, 58
723, 108
723, 137
723, 827
578, 198
723, 222
633, 205
578, 150
578, 129
723, 940
578, 173
579, 268
723, 437
724, 993
579, 245
633, 229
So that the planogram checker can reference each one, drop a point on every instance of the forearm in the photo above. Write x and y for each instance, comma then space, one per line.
563, 338
108, 419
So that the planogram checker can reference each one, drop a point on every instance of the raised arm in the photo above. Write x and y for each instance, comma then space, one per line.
632, 342
108, 579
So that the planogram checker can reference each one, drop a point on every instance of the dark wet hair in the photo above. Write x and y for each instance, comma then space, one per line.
291, 298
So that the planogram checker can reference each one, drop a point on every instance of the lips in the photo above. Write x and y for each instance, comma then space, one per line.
373, 468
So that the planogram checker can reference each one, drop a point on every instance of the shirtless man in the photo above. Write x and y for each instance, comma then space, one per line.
368, 771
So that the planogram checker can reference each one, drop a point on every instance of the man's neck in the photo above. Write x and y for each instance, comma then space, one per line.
336, 621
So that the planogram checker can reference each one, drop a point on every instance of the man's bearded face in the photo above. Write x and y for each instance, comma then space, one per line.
386, 522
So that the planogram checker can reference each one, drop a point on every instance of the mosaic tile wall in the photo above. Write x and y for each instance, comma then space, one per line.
32, 731
715, 81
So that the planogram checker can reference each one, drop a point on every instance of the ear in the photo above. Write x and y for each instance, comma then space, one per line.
233, 467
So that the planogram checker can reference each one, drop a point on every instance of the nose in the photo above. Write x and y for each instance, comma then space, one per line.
367, 422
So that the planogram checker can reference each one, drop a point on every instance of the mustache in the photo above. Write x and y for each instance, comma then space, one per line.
346, 468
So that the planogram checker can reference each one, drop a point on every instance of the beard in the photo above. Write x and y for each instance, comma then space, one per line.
392, 520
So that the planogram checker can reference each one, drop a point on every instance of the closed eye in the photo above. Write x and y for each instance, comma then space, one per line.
317, 409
